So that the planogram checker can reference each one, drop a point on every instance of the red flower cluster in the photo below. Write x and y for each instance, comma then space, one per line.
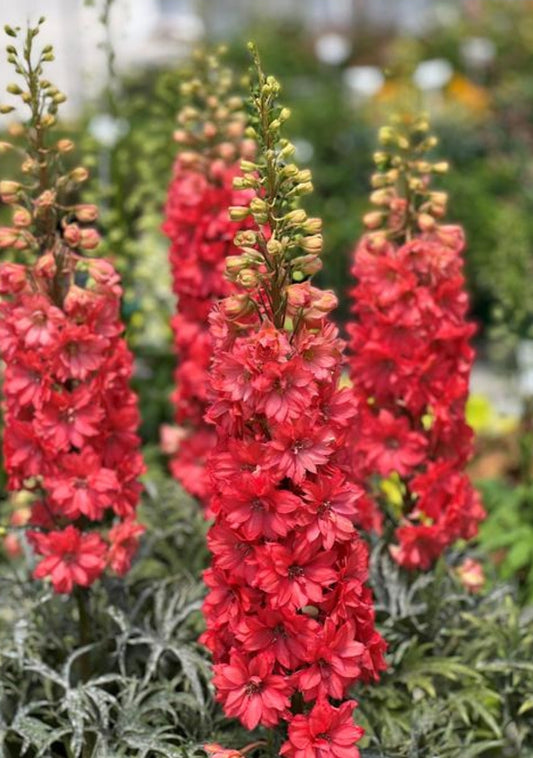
410, 367
70, 416
201, 235
290, 622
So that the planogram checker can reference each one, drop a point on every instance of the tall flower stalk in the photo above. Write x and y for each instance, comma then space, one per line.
290, 622
410, 353
211, 144
70, 417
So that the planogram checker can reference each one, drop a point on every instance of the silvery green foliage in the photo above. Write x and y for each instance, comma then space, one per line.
147, 693
460, 682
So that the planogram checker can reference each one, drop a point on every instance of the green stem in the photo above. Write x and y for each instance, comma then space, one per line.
82, 600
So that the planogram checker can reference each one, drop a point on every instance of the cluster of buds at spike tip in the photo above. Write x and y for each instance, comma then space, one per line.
290, 621
70, 441
402, 193
211, 143
411, 356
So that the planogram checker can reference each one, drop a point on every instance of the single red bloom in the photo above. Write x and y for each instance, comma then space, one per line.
70, 558
325, 732
250, 691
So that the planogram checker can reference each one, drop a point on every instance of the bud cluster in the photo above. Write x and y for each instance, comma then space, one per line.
70, 417
211, 142
402, 193
290, 622
411, 357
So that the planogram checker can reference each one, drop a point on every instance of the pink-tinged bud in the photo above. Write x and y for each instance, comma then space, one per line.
248, 149
188, 159
398, 205
25, 239
181, 136
79, 174
170, 438
373, 219
86, 213
8, 236
210, 130
12, 277
4, 147
471, 575
12, 546
72, 235
46, 199
426, 223
451, 236
65, 145
45, 266
377, 242
236, 306
8, 187
227, 151
89, 239
217, 169
22, 217
234, 130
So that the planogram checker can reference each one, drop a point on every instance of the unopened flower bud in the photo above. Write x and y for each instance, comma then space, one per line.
72, 235
247, 278
65, 145
373, 219
441, 167
236, 306
306, 265
238, 212
89, 239
79, 174
296, 217
8, 236
312, 244
245, 237
312, 226
21, 217
46, 199
274, 246
234, 264
426, 222
8, 187
86, 213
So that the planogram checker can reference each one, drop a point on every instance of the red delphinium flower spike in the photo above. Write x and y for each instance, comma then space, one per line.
70, 436
211, 144
410, 352
290, 622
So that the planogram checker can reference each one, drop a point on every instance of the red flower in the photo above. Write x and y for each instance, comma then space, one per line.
124, 540
334, 662
296, 574
326, 732
390, 444
299, 448
70, 558
250, 692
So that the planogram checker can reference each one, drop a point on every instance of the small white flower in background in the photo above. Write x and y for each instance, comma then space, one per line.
332, 48
478, 52
363, 81
433, 74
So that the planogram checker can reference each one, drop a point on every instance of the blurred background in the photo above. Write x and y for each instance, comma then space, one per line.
344, 66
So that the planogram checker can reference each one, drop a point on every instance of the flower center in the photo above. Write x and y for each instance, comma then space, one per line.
295, 571
254, 686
